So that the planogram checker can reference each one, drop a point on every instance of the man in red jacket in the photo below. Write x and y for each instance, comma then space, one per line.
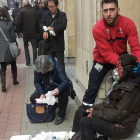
111, 34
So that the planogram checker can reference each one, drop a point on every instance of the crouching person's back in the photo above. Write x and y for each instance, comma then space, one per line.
50, 75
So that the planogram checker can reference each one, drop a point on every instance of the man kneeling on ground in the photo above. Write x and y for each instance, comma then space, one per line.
118, 118
50, 75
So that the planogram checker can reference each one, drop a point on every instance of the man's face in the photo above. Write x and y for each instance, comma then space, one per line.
23, 4
52, 7
110, 14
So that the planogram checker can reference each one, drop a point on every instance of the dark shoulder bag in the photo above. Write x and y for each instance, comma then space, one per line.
15, 51
40, 113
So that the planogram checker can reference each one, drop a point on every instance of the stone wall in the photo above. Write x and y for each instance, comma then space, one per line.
87, 13
68, 7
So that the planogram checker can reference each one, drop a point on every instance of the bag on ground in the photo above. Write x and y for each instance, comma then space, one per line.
40, 113
76, 136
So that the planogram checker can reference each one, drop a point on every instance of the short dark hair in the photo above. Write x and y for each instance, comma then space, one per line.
16, 4
55, 2
109, 1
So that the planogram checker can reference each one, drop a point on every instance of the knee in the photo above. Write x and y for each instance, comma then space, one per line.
32, 99
85, 122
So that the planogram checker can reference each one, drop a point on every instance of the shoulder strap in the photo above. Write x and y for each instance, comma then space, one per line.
4, 34
53, 22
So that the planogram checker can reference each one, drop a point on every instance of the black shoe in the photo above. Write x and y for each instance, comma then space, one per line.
3, 89
102, 138
59, 120
15, 82
28, 64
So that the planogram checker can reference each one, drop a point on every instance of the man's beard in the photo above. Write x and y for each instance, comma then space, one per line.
113, 22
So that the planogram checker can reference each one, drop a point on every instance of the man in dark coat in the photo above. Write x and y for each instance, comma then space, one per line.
14, 15
28, 22
116, 119
56, 21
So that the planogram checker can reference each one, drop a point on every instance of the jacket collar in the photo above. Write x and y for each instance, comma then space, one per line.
57, 14
129, 86
28, 6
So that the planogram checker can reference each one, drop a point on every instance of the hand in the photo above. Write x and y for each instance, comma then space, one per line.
45, 35
136, 70
90, 112
50, 28
118, 125
56, 92
42, 96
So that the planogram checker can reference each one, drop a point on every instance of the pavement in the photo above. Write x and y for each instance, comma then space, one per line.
13, 116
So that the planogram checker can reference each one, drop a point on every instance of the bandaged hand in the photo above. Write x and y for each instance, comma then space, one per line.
56, 92
136, 71
90, 112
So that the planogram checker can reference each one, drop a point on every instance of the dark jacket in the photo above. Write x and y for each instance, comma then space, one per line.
15, 13
36, 7
5, 54
58, 75
28, 22
41, 12
57, 42
124, 106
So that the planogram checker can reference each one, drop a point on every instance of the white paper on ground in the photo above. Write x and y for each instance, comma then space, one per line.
50, 100
21, 137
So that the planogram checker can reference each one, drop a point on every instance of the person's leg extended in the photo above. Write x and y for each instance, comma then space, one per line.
79, 114
90, 126
34, 43
26, 49
96, 77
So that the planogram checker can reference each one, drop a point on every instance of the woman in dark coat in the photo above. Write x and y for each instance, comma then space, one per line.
5, 55
50, 75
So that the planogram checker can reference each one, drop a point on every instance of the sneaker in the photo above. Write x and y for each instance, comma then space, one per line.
58, 120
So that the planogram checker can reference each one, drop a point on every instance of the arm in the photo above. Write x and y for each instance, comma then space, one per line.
123, 109
133, 40
38, 83
62, 77
104, 47
43, 22
12, 32
62, 26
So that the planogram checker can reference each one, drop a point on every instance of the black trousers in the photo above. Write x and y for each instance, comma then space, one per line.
95, 80
59, 56
4, 66
89, 127
62, 100
34, 42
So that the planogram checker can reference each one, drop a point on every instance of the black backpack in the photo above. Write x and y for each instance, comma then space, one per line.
72, 92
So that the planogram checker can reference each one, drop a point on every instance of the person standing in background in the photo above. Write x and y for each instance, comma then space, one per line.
7, 27
28, 23
56, 21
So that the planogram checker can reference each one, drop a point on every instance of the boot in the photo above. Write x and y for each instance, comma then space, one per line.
14, 73
3, 81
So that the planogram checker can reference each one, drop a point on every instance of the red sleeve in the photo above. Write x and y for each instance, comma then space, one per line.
104, 47
133, 40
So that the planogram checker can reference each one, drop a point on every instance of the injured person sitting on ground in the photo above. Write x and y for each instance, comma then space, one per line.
118, 117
